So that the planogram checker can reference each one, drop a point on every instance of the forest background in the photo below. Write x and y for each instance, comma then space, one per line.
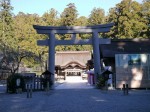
18, 39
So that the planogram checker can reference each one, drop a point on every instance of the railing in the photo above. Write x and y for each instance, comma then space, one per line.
36, 82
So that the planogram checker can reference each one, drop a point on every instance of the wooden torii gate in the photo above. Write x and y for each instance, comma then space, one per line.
95, 41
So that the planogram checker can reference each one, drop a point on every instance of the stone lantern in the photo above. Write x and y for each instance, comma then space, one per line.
47, 82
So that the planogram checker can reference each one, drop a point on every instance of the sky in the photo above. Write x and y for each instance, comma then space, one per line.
84, 7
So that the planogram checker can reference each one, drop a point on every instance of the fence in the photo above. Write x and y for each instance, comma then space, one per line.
4, 75
36, 82
30, 78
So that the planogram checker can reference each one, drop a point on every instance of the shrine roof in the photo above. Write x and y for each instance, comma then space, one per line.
66, 57
125, 46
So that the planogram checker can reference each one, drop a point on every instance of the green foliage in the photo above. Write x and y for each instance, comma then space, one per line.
81, 21
11, 83
27, 38
100, 82
132, 20
97, 16
129, 20
69, 15
50, 18
6, 24
7, 39
146, 16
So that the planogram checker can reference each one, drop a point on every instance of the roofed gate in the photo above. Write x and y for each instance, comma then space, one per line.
51, 42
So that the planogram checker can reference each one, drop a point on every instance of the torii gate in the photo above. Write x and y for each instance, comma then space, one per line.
95, 41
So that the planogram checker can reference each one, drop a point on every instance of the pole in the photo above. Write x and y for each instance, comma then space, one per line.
18, 60
30, 90
27, 90
124, 89
127, 89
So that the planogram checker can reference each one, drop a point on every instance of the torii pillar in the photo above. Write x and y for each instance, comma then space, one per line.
96, 54
51, 56
95, 41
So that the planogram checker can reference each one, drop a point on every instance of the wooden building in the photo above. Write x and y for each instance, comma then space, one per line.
130, 61
71, 63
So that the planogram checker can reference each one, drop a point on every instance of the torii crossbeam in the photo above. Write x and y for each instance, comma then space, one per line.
95, 41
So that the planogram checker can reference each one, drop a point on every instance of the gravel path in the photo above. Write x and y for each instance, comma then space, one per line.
77, 100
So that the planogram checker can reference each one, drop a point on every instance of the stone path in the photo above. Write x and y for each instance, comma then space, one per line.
74, 83
80, 85
77, 100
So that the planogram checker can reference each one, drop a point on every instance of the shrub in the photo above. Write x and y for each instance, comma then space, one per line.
100, 82
11, 83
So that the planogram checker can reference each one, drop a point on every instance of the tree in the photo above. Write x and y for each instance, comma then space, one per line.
50, 18
7, 38
69, 15
27, 37
128, 19
97, 16
6, 25
137, 20
81, 21
12, 61
146, 16
68, 18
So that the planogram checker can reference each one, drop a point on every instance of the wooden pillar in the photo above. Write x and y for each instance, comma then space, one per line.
51, 62
96, 54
